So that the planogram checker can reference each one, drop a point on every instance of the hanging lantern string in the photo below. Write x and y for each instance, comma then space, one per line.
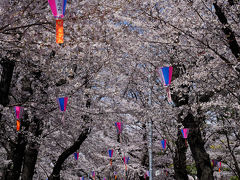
63, 121
186, 143
169, 95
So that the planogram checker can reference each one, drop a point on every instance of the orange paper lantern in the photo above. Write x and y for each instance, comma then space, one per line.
18, 125
59, 31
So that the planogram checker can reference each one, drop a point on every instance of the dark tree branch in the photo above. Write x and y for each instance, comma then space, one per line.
58, 166
24, 26
179, 160
231, 2
13, 170
5, 82
232, 42
233, 156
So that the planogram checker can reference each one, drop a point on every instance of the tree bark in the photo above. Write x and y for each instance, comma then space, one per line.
30, 158
13, 171
144, 158
6, 78
55, 175
31, 151
144, 161
230, 35
201, 157
179, 160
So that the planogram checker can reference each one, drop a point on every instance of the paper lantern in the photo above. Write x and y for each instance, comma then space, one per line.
185, 132
62, 102
125, 160
110, 152
18, 113
58, 8
119, 127
165, 74
76, 155
164, 143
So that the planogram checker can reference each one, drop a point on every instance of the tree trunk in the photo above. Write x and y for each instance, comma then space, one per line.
179, 161
30, 158
144, 161
12, 172
58, 166
5, 82
201, 157
31, 151
144, 158
230, 35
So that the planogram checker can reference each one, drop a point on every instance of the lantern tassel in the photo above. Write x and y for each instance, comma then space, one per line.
186, 143
111, 162
63, 122
219, 170
169, 96
115, 176
18, 125
59, 31
125, 167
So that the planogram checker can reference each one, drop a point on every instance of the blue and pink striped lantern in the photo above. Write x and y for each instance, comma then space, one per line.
63, 105
110, 152
164, 143
93, 175
119, 127
125, 160
185, 132
214, 163
166, 172
76, 155
58, 8
165, 74
147, 174
81, 178
219, 164
18, 112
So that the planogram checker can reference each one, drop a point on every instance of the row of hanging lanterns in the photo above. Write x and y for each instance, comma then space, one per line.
165, 77
19, 111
